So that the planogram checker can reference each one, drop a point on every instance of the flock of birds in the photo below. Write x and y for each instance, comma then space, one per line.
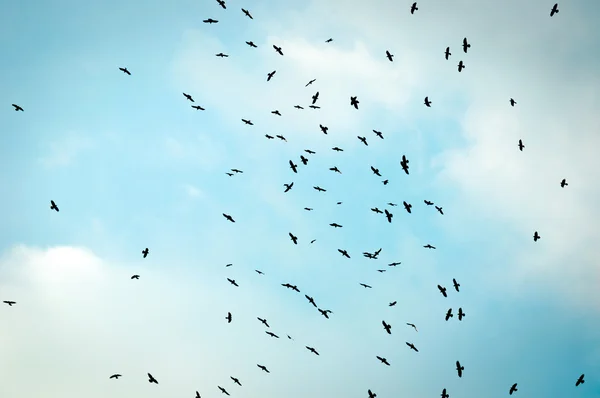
354, 102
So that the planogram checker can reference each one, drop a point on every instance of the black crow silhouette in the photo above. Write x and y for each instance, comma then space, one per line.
248, 122
228, 317
335, 225
145, 252
442, 290
235, 380
210, 21
311, 349
387, 327
428, 203
354, 102
440, 210
372, 394
394, 264
115, 376
456, 284
393, 303
269, 137
449, 314
198, 107
278, 49
344, 253
388, 215
308, 208
329, 40
325, 312
288, 186
554, 10
309, 151
404, 163
427, 102
459, 368
378, 134
293, 167
311, 300
53, 206
17, 107
189, 97
389, 56
536, 236
294, 238
247, 13
407, 206
580, 379
276, 112
318, 188
383, 360
135, 277
323, 128
282, 138
310, 82
563, 183
413, 325
466, 45
521, 146
461, 66
412, 346
221, 55
365, 285
375, 171
315, 97
124, 70
222, 3
251, 44
270, 75
271, 334
513, 389
303, 160
264, 368
376, 210
337, 149
413, 8
428, 246
228, 217
512, 102
224, 391
447, 53
151, 379
259, 272
233, 282
335, 169
444, 394
461, 314
363, 139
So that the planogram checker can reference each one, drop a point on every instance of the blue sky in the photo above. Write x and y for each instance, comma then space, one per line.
132, 165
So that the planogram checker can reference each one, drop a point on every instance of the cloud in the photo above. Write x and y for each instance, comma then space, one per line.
65, 151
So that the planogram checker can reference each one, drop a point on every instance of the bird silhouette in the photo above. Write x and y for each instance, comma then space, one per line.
124, 70
513, 389
554, 10
151, 379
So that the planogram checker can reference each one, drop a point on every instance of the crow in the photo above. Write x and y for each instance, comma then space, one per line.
282, 138
337, 149
563, 183
294, 238
318, 188
310, 82
270, 75
363, 140
447, 53
428, 246
311, 300
233, 282
513, 389
442, 290
224, 391
389, 56
428, 203
251, 44
311, 349
151, 379
444, 394
376, 210
335, 225
512, 102
536, 236
375, 171
554, 10
264, 368
315, 97
372, 394
247, 13
461, 314
427, 102
198, 107
365, 286
124, 70
407, 206
466, 45
303, 160
17, 108
412, 346
387, 327
228, 317
228, 217
329, 40
461, 66
278, 49
413, 8
580, 379
248, 122
145, 252
135, 277
344, 253
383, 360
221, 55
521, 146
413, 325
335, 169
440, 210
393, 303
456, 284
276, 112
293, 167
222, 3
53, 206
288, 186
354, 102
235, 380
115, 376
388, 215
449, 314
189, 97
210, 21
459, 368
378, 134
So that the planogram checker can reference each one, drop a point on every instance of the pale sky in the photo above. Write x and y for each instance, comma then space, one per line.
131, 165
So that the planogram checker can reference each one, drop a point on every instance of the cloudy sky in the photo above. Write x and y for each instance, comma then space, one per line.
131, 165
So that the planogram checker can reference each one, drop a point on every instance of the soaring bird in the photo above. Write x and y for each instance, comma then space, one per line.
247, 13
270, 75
413, 325
383, 360
311, 349
210, 21
228, 217
17, 107
371, 394
310, 82
53, 206
224, 391
251, 44
329, 40
10, 303
554, 10
354, 102
145, 252
115, 376
427, 102
536, 236
513, 389
135, 277
189, 97
198, 107
151, 379
264, 368
222, 4
563, 183
461, 66
466, 45
461, 314
315, 97
456, 284
387, 327
294, 238
233, 282
512, 102
124, 70
228, 317
449, 314
412, 346
389, 56
459, 368
521, 146
413, 8
447, 53
278, 49
235, 380
580, 379
442, 290
444, 394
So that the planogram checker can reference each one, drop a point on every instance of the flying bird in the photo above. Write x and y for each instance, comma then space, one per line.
53, 206
554, 10
387, 327
459, 368
413, 325
249, 122
388, 215
135, 277
375, 171
115, 376
294, 167
311, 349
563, 183
536, 236
465, 45
354, 102
233, 282
263, 321
151, 379
224, 391
444, 394
372, 394
413, 8
264, 368
329, 40
222, 4
228, 317
447, 53
513, 389
124, 70
228, 217
461, 314
442, 290
580, 379
363, 140
17, 107
288, 187
251, 44
383, 360
221, 55
365, 286
512, 102
427, 102
270, 75
276, 112
210, 21
198, 107
461, 66
378, 134
311, 300
10, 303
344, 253
247, 13
449, 314
278, 49
189, 97
310, 82
456, 284
407, 206
428, 246
389, 56
412, 346
145, 252
521, 146
294, 238
315, 97
428, 203
323, 128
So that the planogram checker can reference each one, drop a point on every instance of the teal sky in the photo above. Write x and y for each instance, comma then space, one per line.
131, 165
